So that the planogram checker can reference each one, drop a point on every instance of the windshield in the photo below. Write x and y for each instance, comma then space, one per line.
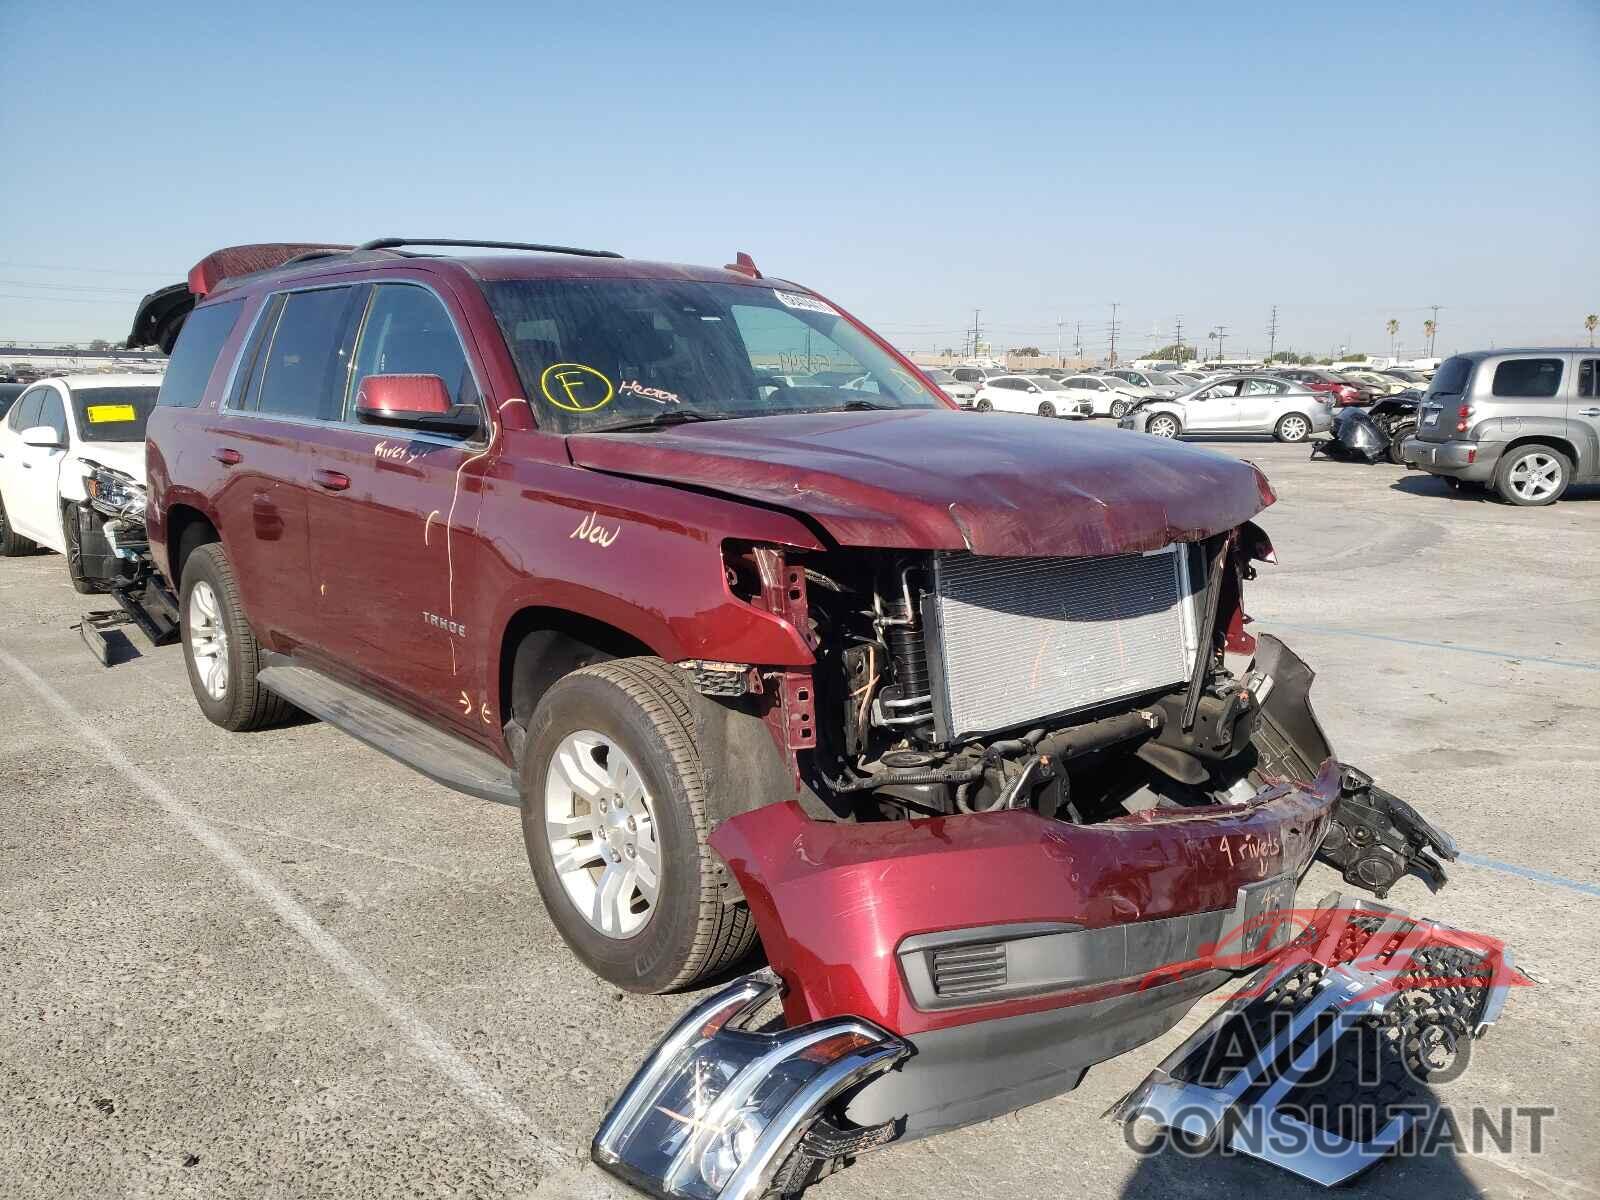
1045, 384
1157, 379
603, 354
113, 414
938, 376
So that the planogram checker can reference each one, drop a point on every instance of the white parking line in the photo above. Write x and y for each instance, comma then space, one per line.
433, 1048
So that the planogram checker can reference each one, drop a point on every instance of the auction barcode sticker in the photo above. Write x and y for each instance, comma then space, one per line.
801, 301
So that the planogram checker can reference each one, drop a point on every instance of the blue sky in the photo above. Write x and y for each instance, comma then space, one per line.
1348, 163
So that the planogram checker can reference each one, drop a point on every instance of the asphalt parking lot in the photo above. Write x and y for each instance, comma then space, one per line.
279, 964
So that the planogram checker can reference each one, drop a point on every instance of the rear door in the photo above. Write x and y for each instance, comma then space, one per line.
1583, 411
1259, 404
283, 390
393, 518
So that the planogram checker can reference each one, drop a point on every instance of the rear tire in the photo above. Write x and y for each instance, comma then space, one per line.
1046, 409
1397, 453
613, 788
1292, 427
220, 649
12, 543
1532, 476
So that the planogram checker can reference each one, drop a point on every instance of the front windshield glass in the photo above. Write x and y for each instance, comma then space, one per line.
938, 376
1045, 384
113, 414
1160, 380
598, 354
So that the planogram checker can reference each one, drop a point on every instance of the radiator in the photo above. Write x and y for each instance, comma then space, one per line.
1015, 640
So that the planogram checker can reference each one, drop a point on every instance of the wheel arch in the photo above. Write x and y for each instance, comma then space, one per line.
1555, 442
540, 644
187, 529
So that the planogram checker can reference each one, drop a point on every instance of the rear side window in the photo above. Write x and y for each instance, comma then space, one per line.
1588, 385
189, 368
1529, 378
1451, 377
297, 364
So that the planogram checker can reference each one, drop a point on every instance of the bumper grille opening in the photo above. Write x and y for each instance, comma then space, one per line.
964, 970
1020, 639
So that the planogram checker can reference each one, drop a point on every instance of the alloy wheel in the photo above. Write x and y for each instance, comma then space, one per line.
1293, 429
600, 824
1535, 476
1163, 427
1119, 409
208, 640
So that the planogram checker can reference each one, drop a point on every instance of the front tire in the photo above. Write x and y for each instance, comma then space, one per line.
1292, 428
614, 820
1532, 476
73, 537
12, 543
1046, 409
220, 649
1163, 426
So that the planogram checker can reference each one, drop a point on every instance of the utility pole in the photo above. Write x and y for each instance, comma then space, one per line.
1218, 335
1114, 308
1180, 341
1077, 340
1272, 334
1434, 335
976, 333
1061, 325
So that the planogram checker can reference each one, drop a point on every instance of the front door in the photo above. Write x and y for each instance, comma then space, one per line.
33, 487
393, 521
1214, 409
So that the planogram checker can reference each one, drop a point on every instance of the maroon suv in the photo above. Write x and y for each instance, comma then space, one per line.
760, 633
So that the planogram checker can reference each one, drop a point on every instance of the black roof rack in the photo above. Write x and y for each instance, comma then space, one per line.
395, 243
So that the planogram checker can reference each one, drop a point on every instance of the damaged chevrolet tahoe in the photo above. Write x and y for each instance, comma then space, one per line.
960, 716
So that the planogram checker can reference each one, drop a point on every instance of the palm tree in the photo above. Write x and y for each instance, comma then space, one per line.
1393, 327
1428, 328
1589, 323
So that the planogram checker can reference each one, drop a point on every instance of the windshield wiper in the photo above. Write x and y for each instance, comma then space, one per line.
678, 416
864, 406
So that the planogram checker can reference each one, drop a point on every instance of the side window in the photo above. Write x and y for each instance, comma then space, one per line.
1588, 386
189, 368
296, 371
1528, 378
407, 331
25, 412
53, 413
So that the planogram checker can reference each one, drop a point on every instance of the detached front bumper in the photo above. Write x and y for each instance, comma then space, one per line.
1016, 951
1473, 462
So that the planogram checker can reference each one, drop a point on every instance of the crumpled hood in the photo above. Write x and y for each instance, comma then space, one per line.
127, 457
935, 479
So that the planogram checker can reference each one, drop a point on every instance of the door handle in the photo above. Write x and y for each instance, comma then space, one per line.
1589, 412
333, 481
227, 456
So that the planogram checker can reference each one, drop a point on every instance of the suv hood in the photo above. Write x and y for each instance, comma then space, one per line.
935, 479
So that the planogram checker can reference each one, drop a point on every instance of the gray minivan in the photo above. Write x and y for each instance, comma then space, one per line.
1524, 422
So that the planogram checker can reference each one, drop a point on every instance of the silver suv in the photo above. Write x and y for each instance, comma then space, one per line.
1525, 422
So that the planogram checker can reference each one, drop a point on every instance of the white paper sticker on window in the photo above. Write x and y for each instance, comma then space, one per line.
801, 301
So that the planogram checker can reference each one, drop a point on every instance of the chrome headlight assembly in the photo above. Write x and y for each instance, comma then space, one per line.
718, 1109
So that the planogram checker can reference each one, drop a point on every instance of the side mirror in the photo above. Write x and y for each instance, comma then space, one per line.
413, 402
1031, 388
44, 437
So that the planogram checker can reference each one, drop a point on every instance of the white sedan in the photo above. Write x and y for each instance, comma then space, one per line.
52, 435
1236, 404
1029, 394
1106, 395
